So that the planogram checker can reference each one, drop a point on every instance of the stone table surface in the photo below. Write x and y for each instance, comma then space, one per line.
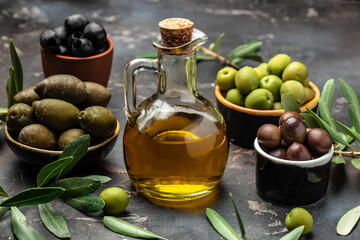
324, 35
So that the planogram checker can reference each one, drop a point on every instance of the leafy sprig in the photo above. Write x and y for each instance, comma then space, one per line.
247, 51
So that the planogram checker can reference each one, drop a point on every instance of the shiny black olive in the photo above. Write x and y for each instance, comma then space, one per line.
49, 40
269, 136
62, 33
95, 33
82, 48
75, 23
102, 48
318, 141
73, 37
293, 129
298, 152
286, 115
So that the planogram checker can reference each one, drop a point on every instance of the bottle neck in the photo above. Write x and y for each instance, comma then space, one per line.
178, 73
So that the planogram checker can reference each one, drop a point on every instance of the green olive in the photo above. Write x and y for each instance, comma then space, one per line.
234, 96
19, 115
299, 217
246, 80
97, 121
27, 96
277, 64
225, 78
293, 89
38, 136
116, 200
98, 95
55, 113
295, 71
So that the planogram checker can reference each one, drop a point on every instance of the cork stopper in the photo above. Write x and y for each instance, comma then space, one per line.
176, 31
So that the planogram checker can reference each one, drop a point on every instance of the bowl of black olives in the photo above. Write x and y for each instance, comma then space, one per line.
292, 161
80, 48
47, 116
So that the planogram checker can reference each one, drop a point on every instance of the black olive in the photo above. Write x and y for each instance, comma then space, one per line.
82, 48
95, 33
269, 136
63, 50
75, 23
61, 32
73, 37
102, 48
49, 41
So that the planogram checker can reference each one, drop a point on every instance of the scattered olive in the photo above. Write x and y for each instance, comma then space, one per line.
269, 136
319, 141
298, 152
293, 130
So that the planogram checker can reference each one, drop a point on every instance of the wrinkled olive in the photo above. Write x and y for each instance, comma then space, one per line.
39, 136
68, 136
19, 115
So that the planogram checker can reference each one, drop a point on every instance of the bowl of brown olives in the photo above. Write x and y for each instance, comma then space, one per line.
80, 48
47, 116
250, 97
292, 161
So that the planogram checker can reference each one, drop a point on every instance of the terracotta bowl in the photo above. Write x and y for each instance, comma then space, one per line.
243, 123
41, 157
291, 183
95, 68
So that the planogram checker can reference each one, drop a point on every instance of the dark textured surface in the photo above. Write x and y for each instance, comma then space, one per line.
324, 35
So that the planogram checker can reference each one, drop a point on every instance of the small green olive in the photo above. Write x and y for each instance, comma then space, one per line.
116, 200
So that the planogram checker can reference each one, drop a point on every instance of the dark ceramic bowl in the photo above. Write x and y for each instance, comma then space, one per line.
243, 123
95, 68
291, 183
41, 157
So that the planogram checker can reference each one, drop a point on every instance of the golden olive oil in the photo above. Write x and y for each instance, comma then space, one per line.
180, 157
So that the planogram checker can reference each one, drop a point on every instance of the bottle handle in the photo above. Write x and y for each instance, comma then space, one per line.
132, 69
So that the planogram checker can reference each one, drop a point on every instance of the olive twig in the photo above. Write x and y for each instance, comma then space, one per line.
215, 55
351, 153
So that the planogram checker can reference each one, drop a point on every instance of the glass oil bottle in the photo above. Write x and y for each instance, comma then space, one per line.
175, 142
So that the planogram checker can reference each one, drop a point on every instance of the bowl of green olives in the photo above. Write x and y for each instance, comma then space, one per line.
47, 116
250, 97
292, 162
80, 48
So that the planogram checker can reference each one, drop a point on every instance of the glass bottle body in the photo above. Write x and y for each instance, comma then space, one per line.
175, 145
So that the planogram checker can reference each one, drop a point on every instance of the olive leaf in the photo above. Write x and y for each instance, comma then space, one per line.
3, 193
334, 134
10, 87
289, 104
328, 93
348, 130
51, 170
310, 120
324, 113
53, 221
354, 114
77, 186
119, 226
77, 149
3, 210
338, 160
33, 196
356, 163
215, 46
241, 225
86, 204
3, 113
18, 71
294, 234
348, 93
221, 226
102, 179
20, 227
245, 49
348, 221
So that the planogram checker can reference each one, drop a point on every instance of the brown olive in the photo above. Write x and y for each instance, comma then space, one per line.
318, 141
286, 115
278, 153
293, 129
269, 136
298, 152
